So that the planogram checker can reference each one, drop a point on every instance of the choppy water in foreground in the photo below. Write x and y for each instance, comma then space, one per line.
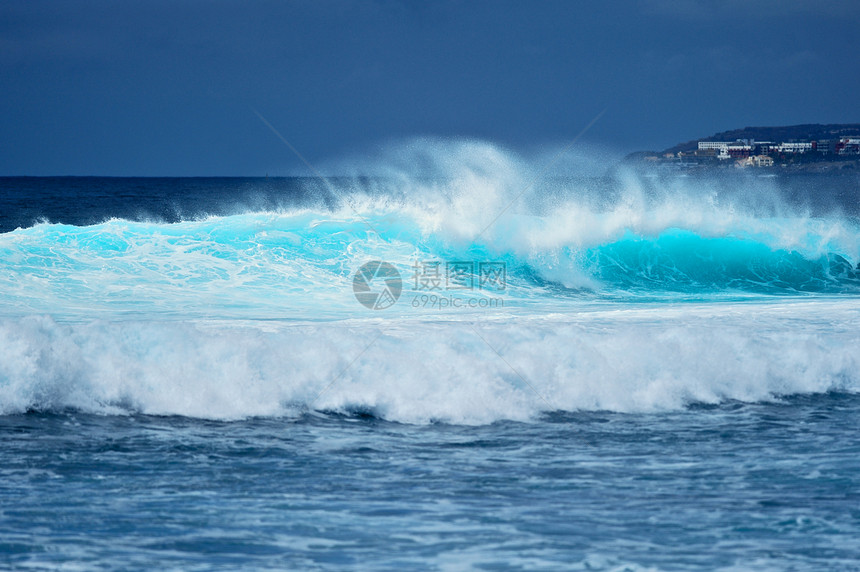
737, 486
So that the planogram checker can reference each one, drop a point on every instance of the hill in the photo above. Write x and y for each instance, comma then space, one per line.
806, 132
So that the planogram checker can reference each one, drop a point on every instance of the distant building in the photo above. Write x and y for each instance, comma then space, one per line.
715, 145
762, 161
756, 161
825, 146
848, 146
726, 150
748, 152
739, 150
762, 147
793, 147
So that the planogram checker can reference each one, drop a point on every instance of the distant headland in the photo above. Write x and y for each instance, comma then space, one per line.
810, 147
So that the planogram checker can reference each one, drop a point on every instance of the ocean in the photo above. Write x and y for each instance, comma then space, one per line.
460, 365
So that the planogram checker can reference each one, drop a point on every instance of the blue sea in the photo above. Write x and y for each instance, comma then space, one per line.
457, 363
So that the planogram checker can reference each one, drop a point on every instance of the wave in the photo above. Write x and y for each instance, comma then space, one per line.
301, 264
683, 261
638, 358
569, 235
252, 312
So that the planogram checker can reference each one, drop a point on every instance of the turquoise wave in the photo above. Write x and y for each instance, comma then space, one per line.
680, 260
301, 263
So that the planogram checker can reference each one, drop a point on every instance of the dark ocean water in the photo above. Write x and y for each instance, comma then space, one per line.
736, 486
188, 380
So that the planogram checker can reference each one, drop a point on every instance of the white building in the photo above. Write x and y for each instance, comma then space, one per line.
793, 147
848, 146
715, 145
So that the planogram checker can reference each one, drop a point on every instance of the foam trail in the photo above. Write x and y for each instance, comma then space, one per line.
638, 359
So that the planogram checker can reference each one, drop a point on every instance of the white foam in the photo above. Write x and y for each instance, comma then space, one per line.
418, 371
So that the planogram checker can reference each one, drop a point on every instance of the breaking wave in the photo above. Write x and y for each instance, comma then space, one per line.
623, 293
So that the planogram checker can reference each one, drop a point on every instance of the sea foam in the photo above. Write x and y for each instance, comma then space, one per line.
639, 358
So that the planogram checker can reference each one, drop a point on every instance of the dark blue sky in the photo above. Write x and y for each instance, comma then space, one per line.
167, 88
